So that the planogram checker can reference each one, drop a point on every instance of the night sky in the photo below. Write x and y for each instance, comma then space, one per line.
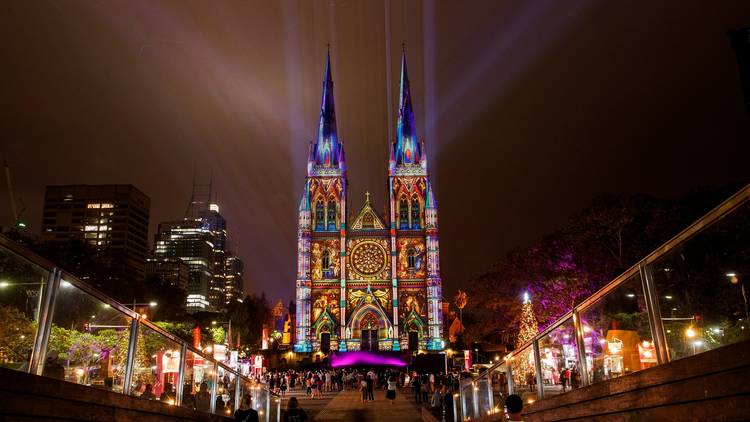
528, 108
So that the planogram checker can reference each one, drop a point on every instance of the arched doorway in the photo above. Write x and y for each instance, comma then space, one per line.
413, 339
369, 326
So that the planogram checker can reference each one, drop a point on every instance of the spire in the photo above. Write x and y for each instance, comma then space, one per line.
407, 146
327, 145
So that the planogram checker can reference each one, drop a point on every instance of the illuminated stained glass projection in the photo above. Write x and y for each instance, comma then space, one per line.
325, 300
324, 259
412, 299
369, 259
411, 258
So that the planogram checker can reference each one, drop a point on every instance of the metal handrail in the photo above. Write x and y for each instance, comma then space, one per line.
713, 216
45, 323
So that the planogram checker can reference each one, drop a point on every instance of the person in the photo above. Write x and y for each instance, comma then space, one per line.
417, 386
363, 390
148, 393
52, 366
436, 400
390, 393
282, 387
370, 388
246, 413
514, 406
203, 399
425, 386
167, 396
293, 412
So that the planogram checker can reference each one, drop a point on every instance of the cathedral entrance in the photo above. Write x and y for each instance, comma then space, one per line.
413, 340
369, 332
325, 342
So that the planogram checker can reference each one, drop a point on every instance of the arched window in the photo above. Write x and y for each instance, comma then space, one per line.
403, 214
415, 220
411, 259
325, 261
319, 216
331, 215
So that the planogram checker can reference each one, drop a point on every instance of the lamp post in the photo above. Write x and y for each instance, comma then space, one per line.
151, 304
734, 279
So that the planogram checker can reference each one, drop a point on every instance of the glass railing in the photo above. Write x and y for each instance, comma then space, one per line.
685, 298
58, 326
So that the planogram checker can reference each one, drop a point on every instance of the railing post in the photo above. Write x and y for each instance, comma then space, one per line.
214, 382
181, 374
475, 398
538, 367
654, 313
44, 326
581, 346
509, 374
490, 399
455, 411
237, 391
130, 360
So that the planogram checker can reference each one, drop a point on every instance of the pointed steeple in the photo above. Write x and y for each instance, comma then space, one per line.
408, 150
327, 144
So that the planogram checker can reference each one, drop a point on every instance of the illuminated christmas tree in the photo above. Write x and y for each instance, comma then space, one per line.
527, 330
528, 326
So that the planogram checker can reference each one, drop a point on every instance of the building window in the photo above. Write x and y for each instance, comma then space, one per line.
411, 259
319, 216
325, 261
415, 220
403, 214
331, 215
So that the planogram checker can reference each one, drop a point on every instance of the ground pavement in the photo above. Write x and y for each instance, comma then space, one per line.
312, 406
347, 406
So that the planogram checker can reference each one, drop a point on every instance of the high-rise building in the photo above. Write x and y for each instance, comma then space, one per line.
192, 242
171, 270
98, 232
233, 278
372, 283
216, 224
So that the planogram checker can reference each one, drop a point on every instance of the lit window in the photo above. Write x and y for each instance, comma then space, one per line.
93, 205
108, 206
91, 228
103, 228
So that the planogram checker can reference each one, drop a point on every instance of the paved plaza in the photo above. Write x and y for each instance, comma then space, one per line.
347, 406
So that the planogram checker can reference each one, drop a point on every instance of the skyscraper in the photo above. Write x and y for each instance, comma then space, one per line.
234, 271
192, 242
98, 232
372, 283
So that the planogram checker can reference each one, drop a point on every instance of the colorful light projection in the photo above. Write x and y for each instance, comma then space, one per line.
362, 358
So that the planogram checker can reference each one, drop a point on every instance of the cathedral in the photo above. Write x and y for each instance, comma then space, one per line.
371, 282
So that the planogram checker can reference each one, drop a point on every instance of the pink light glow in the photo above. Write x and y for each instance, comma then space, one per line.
339, 360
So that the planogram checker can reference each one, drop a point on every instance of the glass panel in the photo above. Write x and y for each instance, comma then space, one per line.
702, 287
484, 396
499, 378
21, 288
559, 360
467, 399
616, 333
196, 392
524, 374
88, 343
156, 366
225, 392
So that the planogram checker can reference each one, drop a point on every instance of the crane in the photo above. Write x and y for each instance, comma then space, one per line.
18, 222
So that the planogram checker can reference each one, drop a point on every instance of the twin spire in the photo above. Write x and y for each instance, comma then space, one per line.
328, 153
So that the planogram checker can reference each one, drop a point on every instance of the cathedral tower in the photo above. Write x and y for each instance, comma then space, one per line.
373, 284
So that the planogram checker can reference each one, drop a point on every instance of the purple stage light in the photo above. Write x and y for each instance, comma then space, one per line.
339, 360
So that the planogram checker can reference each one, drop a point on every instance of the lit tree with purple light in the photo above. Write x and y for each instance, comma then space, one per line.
527, 330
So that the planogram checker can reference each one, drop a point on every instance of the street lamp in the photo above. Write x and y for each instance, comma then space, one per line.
151, 304
734, 279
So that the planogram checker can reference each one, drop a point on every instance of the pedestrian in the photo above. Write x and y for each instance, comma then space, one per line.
148, 393
416, 385
293, 412
390, 393
203, 399
513, 407
282, 388
363, 390
246, 413
168, 396
370, 388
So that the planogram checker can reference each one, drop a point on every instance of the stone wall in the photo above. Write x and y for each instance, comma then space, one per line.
25, 397
710, 386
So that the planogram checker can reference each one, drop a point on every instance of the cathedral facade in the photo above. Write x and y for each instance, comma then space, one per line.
371, 281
